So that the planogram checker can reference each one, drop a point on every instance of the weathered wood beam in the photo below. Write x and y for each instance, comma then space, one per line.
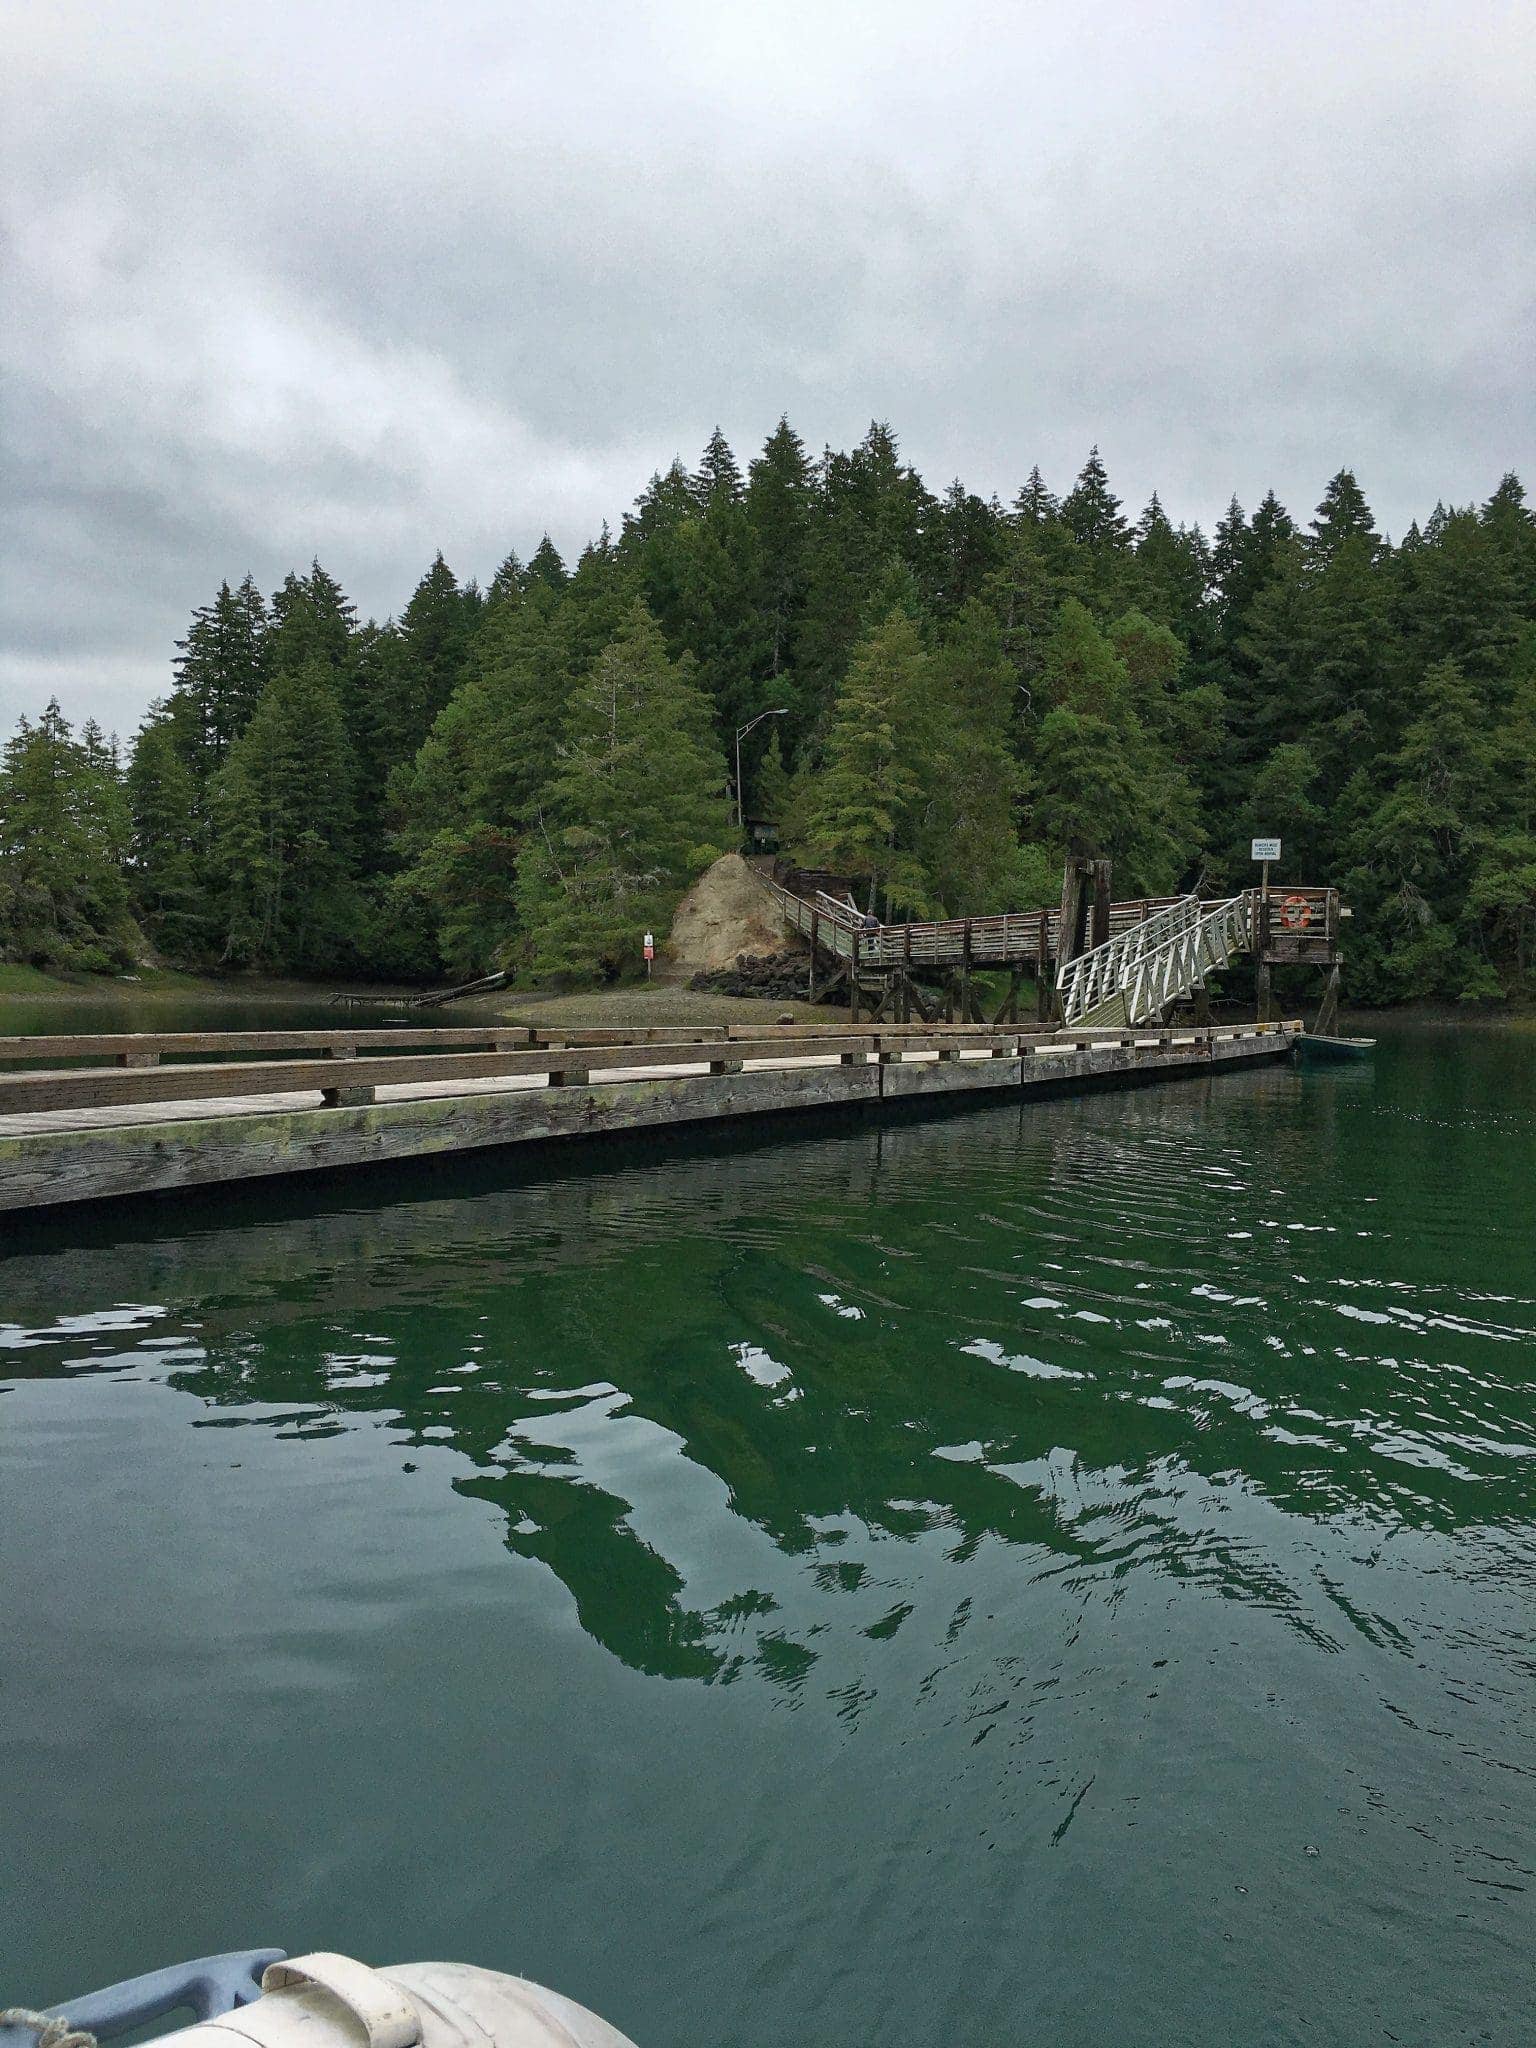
1328, 1010
132, 1046
1099, 877
90, 1087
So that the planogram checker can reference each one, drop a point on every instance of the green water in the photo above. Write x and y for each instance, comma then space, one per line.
1058, 1575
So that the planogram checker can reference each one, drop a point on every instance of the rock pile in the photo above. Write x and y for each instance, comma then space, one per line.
766, 976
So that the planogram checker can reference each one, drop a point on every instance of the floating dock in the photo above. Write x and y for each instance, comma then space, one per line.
110, 1117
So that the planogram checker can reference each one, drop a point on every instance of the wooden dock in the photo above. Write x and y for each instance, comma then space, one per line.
1070, 953
113, 1116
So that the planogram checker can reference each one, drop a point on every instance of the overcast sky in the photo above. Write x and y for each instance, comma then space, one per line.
366, 281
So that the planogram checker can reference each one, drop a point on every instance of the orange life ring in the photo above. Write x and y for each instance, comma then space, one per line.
1296, 913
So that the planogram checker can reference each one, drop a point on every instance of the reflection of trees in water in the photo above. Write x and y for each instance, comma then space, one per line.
629, 1598
703, 1298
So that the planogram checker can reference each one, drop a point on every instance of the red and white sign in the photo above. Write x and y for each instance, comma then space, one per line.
650, 945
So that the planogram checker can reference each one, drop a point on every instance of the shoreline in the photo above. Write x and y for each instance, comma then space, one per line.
27, 992
660, 1002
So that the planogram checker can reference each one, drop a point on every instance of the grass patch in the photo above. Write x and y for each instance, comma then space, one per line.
56, 986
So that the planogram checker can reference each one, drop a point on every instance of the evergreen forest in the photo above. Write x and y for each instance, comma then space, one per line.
958, 693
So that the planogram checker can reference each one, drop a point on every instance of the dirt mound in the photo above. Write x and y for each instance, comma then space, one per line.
723, 914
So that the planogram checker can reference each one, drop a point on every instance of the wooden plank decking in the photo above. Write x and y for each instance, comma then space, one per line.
169, 1117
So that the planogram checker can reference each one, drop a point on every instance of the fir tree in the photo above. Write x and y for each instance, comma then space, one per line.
717, 480
545, 566
1501, 890
780, 506
1342, 517
967, 841
431, 652
168, 843
1230, 557
1102, 541
862, 817
667, 500
1420, 842
1343, 656
969, 542
599, 599
1174, 571
507, 584
700, 580
312, 620
1185, 714
1282, 791
219, 670
1099, 782
282, 808
1041, 568
1035, 504
1272, 527
635, 809
772, 790
1091, 510
1315, 684
1460, 600
64, 837
1512, 527
875, 534
465, 805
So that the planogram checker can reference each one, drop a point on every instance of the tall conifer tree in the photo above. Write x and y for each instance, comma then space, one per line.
282, 816
634, 810
862, 818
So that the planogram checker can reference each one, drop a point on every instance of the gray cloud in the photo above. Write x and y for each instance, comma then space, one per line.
369, 281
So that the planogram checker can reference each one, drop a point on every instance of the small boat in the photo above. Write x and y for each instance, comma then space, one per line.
319, 2001
1314, 1047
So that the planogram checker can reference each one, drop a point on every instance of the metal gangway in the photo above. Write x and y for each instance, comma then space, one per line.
1135, 975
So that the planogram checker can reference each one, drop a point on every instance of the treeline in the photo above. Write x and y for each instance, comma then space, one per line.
959, 693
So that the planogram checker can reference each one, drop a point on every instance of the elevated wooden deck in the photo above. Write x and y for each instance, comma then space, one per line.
1022, 938
1019, 938
176, 1111
881, 964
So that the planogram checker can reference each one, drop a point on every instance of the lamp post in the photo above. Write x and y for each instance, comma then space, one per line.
741, 733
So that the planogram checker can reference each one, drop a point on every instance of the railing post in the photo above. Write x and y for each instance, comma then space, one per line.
1263, 977
1101, 902
1043, 968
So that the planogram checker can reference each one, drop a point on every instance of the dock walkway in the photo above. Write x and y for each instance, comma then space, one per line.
185, 1110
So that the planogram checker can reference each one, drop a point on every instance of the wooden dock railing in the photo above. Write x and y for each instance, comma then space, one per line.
350, 1074
1015, 938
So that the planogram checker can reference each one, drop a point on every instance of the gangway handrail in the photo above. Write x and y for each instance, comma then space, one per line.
1160, 960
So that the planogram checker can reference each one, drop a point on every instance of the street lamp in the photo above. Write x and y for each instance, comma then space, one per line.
741, 733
